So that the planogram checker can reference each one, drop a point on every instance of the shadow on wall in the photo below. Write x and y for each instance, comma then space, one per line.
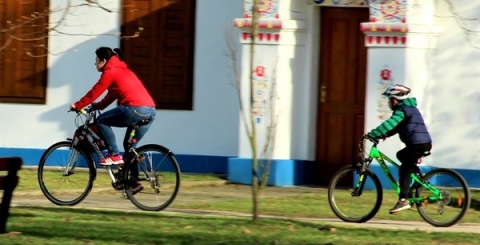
160, 53
74, 74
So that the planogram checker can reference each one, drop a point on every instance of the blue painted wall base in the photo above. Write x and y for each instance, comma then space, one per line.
239, 170
282, 172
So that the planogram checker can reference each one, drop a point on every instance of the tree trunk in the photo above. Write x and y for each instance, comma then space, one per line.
253, 136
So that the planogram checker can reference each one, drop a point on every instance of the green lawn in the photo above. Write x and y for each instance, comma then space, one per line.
29, 180
315, 205
53, 225
311, 204
94, 227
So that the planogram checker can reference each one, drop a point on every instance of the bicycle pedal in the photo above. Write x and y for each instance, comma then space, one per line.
394, 213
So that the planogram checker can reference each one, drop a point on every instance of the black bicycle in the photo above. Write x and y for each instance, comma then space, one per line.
68, 169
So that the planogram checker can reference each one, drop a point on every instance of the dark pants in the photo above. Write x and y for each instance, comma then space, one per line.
409, 156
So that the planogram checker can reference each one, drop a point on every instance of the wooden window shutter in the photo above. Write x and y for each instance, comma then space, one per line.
162, 55
23, 55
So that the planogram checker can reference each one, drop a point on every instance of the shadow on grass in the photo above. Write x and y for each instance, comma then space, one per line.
475, 204
20, 215
149, 227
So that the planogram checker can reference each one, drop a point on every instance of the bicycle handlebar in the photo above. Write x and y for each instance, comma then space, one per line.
374, 141
82, 111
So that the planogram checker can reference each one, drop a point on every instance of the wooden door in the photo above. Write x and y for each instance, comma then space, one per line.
342, 74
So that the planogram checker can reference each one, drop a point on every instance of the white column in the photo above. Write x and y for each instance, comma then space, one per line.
279, 44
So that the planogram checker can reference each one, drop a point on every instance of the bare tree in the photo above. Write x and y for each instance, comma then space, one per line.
261, 160
35, 28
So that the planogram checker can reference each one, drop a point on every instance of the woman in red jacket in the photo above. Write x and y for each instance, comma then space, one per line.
134, 101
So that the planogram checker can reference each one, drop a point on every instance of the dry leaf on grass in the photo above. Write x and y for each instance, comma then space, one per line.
291, 228
188, 227
327, 228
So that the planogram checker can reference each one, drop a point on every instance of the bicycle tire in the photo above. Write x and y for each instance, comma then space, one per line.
342, 213
149, 199
448, 190
51, 180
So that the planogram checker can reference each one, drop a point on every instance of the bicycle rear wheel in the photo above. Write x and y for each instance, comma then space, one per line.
158, 173
65, 175
353, 204
455, 200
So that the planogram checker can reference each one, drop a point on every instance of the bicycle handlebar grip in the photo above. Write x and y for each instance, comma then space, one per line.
365, 137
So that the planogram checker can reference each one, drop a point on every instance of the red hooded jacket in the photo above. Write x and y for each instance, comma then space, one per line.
122, 85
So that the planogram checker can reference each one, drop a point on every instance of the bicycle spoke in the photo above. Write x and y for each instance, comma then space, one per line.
64, 174
159, 174
452, 202
351, 200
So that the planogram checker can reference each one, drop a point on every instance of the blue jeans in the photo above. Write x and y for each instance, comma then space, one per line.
124, 116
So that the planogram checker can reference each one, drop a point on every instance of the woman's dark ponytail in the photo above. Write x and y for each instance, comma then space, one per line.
105, 53
119, 53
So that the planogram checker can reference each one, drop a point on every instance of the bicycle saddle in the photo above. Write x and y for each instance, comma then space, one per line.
426, 153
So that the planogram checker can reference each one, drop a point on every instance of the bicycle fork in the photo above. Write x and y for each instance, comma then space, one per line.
357, 191
72, 162
362, 178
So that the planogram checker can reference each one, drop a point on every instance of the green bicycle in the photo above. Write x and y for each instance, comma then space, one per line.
442, 196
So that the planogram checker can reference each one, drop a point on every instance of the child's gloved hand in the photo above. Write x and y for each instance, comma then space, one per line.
365, 136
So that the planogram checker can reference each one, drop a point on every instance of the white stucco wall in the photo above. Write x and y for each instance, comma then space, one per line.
448, 95
210, 129
455, 96
443, 79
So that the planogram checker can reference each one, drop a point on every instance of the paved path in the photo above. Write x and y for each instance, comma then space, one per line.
107, 198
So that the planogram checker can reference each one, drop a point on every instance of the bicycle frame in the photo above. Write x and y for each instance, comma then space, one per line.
86, 133
92, 138
382, 160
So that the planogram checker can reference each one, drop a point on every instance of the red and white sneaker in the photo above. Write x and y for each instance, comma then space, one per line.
111, 159
136, 187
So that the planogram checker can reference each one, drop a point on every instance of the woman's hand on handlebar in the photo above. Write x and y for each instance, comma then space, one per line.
72, 108
82, 111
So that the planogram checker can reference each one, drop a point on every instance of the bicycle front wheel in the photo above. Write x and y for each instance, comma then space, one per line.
452, 204
65, 175
352, 203
154, 181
